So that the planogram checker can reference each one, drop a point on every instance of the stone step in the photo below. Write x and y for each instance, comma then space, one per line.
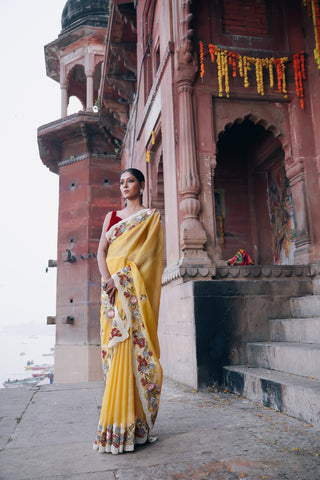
307, 306
294, 395
296, 358
297, 330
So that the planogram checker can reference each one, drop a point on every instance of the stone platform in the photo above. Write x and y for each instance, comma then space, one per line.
46, 433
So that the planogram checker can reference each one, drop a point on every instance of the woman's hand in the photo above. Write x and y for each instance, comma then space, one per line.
110, 290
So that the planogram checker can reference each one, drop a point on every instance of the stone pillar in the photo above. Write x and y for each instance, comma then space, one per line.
64, 90
192, 234
64, 99
90, 92
296, 177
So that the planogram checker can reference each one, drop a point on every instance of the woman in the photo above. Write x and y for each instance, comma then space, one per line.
130, 262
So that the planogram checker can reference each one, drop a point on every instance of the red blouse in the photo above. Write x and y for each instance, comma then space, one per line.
114, 219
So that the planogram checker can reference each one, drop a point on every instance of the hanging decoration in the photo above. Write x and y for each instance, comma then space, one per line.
151, 142
314, 12
202, 71
299, 75
231, 63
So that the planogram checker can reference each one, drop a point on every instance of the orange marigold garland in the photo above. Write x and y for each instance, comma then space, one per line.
299, 75
303, 66
211, 51
281, 75
232, 59
202, 70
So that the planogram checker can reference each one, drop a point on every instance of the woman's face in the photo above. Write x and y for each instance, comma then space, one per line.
129, 186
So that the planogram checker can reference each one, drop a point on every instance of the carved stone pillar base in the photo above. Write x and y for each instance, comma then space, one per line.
194, 257
192, 234
315, 274
303, 252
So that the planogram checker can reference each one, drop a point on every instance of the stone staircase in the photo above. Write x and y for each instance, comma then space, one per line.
284, 373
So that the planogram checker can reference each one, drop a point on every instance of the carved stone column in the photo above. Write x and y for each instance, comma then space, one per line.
64, 99
64, 90
89, 105
295, 174
192, 234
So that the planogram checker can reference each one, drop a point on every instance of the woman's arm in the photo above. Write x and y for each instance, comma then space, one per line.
103, 250
109, 287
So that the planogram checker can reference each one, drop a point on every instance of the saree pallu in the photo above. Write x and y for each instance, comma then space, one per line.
129, 341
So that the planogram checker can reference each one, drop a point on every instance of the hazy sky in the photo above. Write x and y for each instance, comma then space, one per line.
29, 191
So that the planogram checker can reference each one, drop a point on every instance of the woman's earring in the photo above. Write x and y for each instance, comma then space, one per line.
141, 191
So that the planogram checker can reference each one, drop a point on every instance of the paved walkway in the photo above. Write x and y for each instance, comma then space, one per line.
47, 433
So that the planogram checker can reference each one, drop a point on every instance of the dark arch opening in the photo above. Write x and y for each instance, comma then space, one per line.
77, 84
251, 193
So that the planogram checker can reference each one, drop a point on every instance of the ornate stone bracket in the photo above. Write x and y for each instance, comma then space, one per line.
186, 32
124, 88
126, 53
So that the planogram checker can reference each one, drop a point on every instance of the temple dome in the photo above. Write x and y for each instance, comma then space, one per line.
76, 13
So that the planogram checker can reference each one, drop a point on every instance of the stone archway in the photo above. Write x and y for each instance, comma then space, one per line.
77, 83
275, 119
252, 194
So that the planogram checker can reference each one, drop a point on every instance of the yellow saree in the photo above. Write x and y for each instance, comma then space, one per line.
129, 342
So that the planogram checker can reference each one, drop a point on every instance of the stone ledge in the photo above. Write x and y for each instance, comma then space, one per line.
250, 272
188, 272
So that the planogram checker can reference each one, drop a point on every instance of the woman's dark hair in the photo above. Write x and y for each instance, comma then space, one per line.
136, 173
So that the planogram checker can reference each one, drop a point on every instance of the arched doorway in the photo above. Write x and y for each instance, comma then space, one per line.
77, 84
253, 201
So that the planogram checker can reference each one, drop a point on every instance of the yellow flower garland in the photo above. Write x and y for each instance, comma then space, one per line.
223, 71
314, 11
244, 64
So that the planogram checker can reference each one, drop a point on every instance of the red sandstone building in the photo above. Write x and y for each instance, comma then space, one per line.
217, 103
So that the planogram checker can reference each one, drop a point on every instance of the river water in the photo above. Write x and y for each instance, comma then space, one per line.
17, 350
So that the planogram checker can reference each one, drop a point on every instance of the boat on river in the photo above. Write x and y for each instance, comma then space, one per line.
44, 366
20, 382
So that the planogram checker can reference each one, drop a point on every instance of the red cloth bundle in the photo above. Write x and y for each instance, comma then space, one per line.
240, 258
